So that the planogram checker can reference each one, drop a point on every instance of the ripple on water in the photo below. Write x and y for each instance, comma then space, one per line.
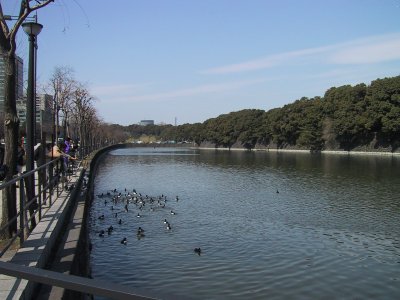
321, 236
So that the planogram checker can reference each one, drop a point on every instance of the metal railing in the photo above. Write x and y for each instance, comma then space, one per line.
49, 184
49, 181
71, 282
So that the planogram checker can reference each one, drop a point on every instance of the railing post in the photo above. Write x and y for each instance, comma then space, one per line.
40, 196
58, 179
51, 179
22, 211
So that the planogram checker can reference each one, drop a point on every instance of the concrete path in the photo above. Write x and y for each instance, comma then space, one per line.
38, 248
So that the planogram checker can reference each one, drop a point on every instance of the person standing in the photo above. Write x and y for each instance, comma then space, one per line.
67, 150
20, 158
68, 145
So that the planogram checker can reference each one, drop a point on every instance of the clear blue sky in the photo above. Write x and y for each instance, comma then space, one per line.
197, 59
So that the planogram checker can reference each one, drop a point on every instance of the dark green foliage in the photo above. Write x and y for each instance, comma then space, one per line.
137, 130
346, 118
383, 111
245, 127
346, 106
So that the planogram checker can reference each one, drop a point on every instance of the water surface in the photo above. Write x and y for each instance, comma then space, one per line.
270, 225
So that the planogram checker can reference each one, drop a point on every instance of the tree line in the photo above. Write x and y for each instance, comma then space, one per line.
73, 114
80, 119
361, 117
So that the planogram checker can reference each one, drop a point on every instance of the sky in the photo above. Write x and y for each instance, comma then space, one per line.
186, 61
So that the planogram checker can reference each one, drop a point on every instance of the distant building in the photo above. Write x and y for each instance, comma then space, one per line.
19, 80
43, 111
146, 122
21, 110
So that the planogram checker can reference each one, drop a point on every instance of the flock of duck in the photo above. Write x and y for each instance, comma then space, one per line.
133, 201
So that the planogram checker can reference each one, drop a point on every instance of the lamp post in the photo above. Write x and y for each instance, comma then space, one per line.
32, 29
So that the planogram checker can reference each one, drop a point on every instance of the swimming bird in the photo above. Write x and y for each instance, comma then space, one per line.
124, 241
140, 233
101, 217
110, 229
277, 191
173, 213
165, 221
138, 215
101, 234
120, 221
177, 198
198, 251
169, 227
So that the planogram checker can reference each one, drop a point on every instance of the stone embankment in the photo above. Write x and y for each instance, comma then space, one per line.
239, 147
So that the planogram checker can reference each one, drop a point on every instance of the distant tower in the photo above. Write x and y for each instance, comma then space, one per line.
176, 120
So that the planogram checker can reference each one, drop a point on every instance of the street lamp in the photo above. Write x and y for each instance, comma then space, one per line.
32, 29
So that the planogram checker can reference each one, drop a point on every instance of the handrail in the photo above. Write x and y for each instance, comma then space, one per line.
28, 173
49, 180
47, 277
71, 282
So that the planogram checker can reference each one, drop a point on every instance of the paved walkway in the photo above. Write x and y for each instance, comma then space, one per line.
64, 257
38, 248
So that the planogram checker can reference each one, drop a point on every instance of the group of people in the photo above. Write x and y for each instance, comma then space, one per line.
65, 149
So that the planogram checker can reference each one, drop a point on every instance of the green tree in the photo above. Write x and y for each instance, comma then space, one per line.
383, 99
347, 107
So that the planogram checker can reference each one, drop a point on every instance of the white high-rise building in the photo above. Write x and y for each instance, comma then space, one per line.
19, 80
43, 110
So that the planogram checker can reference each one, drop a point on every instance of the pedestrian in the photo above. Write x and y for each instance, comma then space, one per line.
20, 158
67, 145
67, 150
56, 152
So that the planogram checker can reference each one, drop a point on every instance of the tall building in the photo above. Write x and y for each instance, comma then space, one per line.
19, 80
43, 111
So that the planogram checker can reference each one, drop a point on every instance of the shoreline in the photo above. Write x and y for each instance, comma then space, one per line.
330, 152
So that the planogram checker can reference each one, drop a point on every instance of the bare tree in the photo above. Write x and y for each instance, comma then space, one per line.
90, 124
62, 85
11, 121
82, 111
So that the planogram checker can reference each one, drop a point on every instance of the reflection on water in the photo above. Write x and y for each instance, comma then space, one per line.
270, 225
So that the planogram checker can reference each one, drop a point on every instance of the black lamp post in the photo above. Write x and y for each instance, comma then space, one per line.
32, 29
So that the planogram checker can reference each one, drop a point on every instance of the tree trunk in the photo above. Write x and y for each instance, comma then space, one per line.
11, 125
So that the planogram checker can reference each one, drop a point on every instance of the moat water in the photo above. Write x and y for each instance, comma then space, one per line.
269, 225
